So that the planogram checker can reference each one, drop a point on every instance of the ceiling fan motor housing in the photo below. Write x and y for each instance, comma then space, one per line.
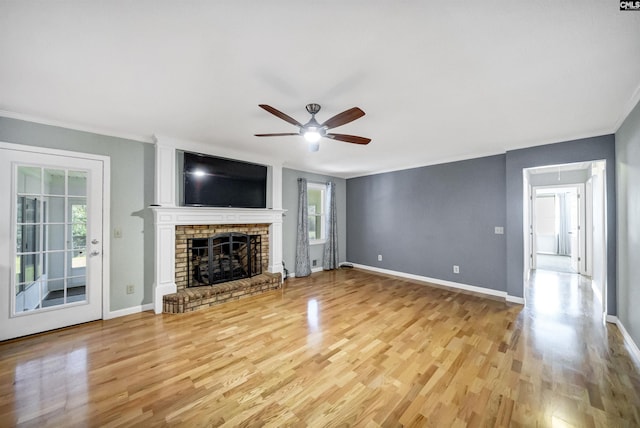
313, 108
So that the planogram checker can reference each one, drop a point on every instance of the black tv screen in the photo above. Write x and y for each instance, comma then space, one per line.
217, 182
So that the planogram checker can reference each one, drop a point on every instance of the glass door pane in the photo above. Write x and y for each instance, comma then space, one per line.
51, 238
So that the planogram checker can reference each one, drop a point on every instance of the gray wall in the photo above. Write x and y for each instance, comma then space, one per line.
132, 174
422, 220
290, 203
425, 220
628, 176
587, 149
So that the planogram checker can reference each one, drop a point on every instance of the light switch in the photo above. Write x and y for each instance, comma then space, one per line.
117, 232
499, 230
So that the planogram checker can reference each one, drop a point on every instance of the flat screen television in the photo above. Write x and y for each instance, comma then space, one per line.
210, 181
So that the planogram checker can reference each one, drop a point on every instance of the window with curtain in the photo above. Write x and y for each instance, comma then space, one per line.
316, 197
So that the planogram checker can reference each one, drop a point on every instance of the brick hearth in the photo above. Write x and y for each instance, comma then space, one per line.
194, 298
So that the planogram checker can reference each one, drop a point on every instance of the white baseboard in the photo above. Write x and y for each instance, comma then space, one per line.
515, 299
458, 285
314, 270
128, 311
631, 344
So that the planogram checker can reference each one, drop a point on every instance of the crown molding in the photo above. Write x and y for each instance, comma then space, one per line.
628, 108
76, 127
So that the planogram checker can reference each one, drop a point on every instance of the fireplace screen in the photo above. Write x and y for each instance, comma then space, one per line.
223, 257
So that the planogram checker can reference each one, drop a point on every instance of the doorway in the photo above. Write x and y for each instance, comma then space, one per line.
52, 239
564, 224
559, 233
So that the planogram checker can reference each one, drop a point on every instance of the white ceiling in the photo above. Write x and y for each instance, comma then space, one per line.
439, 81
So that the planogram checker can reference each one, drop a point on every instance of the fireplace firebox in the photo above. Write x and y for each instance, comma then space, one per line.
223, 257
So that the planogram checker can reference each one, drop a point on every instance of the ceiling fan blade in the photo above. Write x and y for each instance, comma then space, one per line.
282, 134
280, 114
344, 117
349, 138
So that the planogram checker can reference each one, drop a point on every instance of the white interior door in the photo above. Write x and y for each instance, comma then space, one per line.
532, 229
51, 233
578, 230
574, 230
588, 227
582, 229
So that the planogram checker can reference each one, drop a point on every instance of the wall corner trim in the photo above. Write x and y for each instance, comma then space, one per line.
451, 284
632, 346
128, 311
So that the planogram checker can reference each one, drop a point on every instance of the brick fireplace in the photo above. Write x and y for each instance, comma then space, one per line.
173, 225
169, 218
185, 264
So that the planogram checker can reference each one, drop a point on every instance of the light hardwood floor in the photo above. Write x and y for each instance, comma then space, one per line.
339, 348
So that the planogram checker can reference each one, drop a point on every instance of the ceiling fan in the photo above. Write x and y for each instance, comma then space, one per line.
313, 131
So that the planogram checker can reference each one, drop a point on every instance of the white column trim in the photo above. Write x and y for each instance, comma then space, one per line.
276, 187
275, 247
164, 263
165, 179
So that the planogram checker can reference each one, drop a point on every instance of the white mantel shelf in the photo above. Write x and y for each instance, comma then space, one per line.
167, 218
206, 215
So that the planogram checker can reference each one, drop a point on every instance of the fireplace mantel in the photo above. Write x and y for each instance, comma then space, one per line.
167, 218
205, 215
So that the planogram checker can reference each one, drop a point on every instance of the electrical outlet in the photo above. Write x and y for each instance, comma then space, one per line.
456, 269
379, 257
130, 289
314, 263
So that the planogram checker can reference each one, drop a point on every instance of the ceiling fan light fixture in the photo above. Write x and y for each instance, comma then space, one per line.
312, 134
314, 146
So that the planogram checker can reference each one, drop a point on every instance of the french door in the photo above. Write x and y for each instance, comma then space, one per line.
51, 240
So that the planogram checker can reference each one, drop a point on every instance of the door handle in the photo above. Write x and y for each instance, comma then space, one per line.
95, 241
95, 253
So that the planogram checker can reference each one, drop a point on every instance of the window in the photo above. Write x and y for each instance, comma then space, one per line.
316, 211
78, 233
28, 242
